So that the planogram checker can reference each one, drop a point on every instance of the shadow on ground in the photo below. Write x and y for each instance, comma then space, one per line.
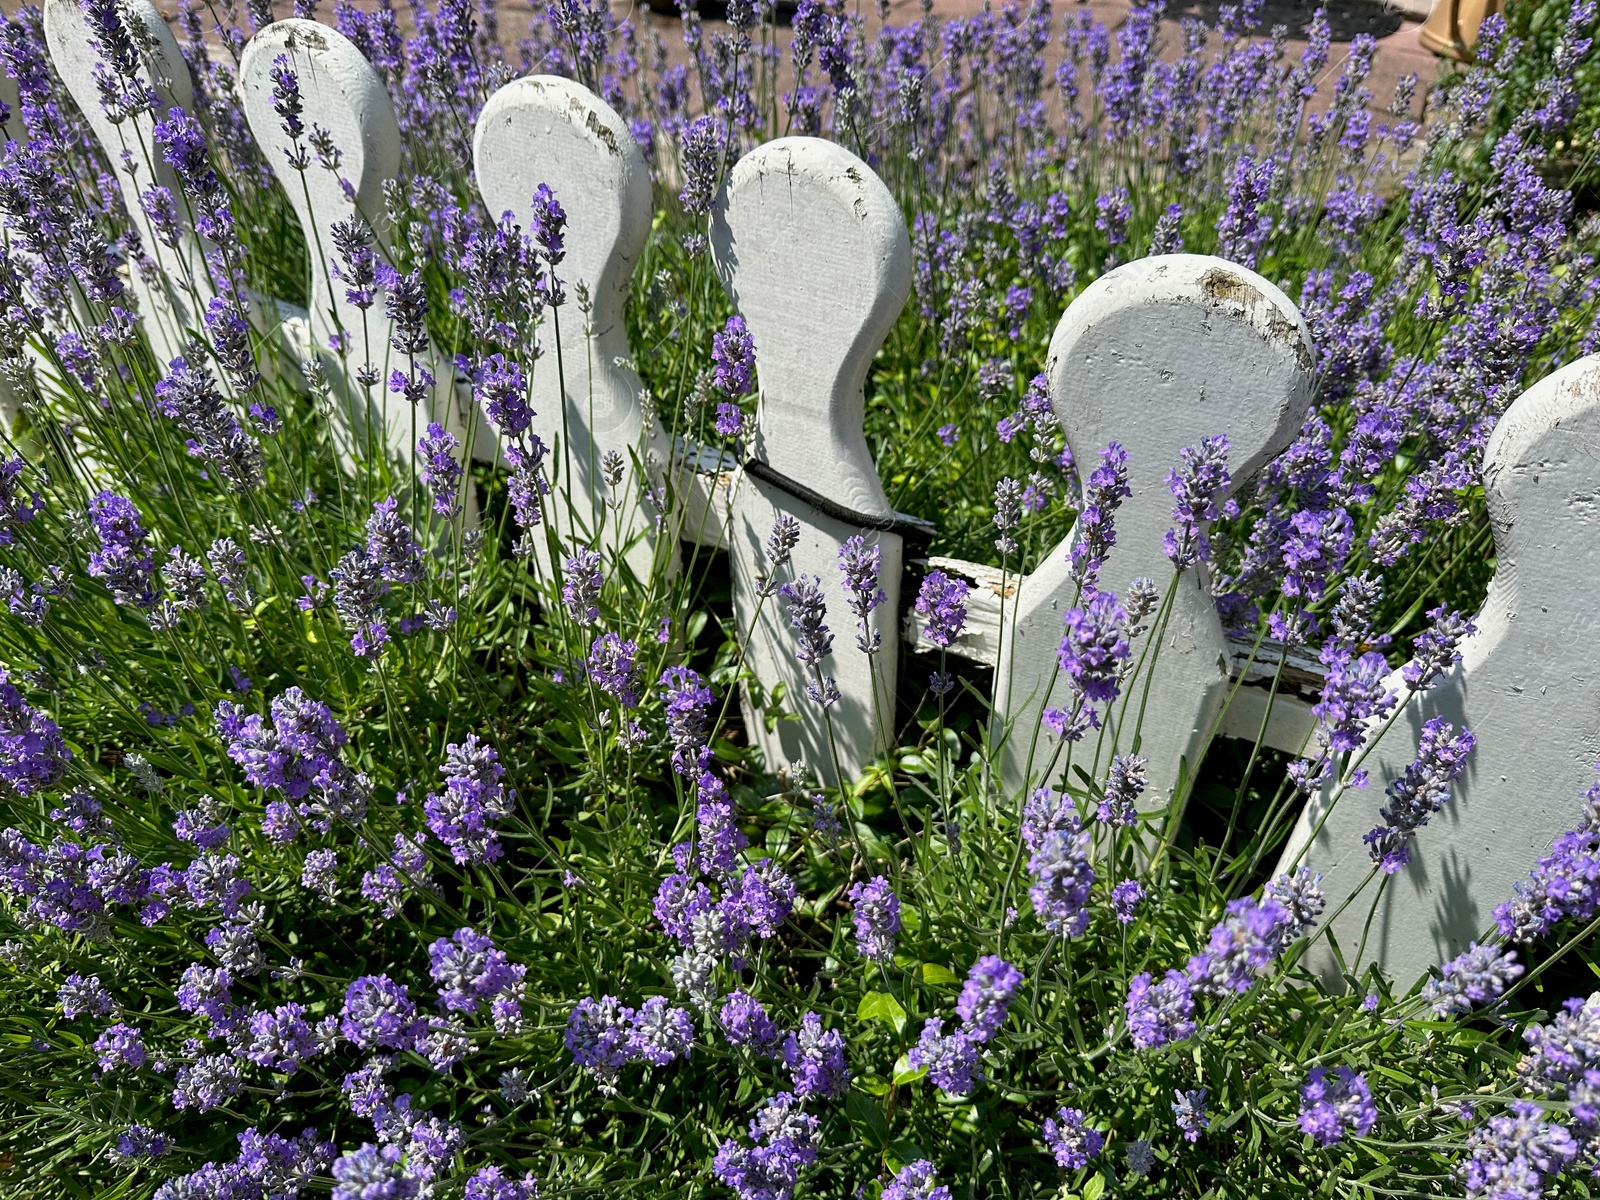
1346, 18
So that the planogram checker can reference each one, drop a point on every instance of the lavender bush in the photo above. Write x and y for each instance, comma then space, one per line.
344, 853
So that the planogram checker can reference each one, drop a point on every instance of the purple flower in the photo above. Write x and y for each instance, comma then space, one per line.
1333, 1107
549, 224
986, 997
1125, 782
123, 561
1435, 648
120, 1046
660, 1033
1071, 1141
281, 1166
705, 147
860, 565
473, 796
1062, 879
441, 471
378, 1012
808, 613
188, 396
1112, 210
500, 387
1475, 977
386, 884
206, 990
1352, 692
373, 1173
580, 591
1244, 227
1420, 792
948, 434
597, 1036
33, 754
745, 1023
785, 1144
816, 1060
297, 753
207, 1083
1094, 646
942, 603
611, 666
470, 971
1126, 898
877, 919
281, 1039
688, 703
729, 420
1513, 1156
916, 1181
140, 1141
1160, 1013
1096, 532
15, 507
1247, 940
405, 303
733, 353
1189, 1110
1196, 486
721, 840
491, 1183
320, 873
950, 1059
81, 995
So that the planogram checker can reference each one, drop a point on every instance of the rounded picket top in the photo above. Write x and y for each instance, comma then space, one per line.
814, 251
1527, 687
76, 58
343, 94
1164, 351
1155, 355
548, 130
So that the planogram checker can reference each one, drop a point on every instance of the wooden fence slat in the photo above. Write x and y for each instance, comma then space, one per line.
548, 130
1527, 686
343, 94
813, 250
1155, 355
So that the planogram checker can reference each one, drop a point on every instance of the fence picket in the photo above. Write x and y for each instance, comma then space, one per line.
813, 250
548, 130
1157, 354
342, 94
172, 302
1528, 687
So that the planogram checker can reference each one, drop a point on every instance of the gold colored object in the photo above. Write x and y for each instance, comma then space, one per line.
1451, 29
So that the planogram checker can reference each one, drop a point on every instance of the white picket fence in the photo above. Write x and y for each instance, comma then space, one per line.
1156, 355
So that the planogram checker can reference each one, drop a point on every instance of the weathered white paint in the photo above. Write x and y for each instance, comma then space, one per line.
1156, 355
1528, 686
343, 94
172, 302
585, 394
814, 252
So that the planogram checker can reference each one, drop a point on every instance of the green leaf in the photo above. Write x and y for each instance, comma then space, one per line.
881, 1006
866, 1118
937, 974
1095, 1188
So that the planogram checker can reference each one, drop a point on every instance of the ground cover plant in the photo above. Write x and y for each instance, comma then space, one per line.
345, 853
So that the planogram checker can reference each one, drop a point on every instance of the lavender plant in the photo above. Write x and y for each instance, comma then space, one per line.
347, 852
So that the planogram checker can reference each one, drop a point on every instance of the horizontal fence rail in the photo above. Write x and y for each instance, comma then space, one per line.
814, 253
